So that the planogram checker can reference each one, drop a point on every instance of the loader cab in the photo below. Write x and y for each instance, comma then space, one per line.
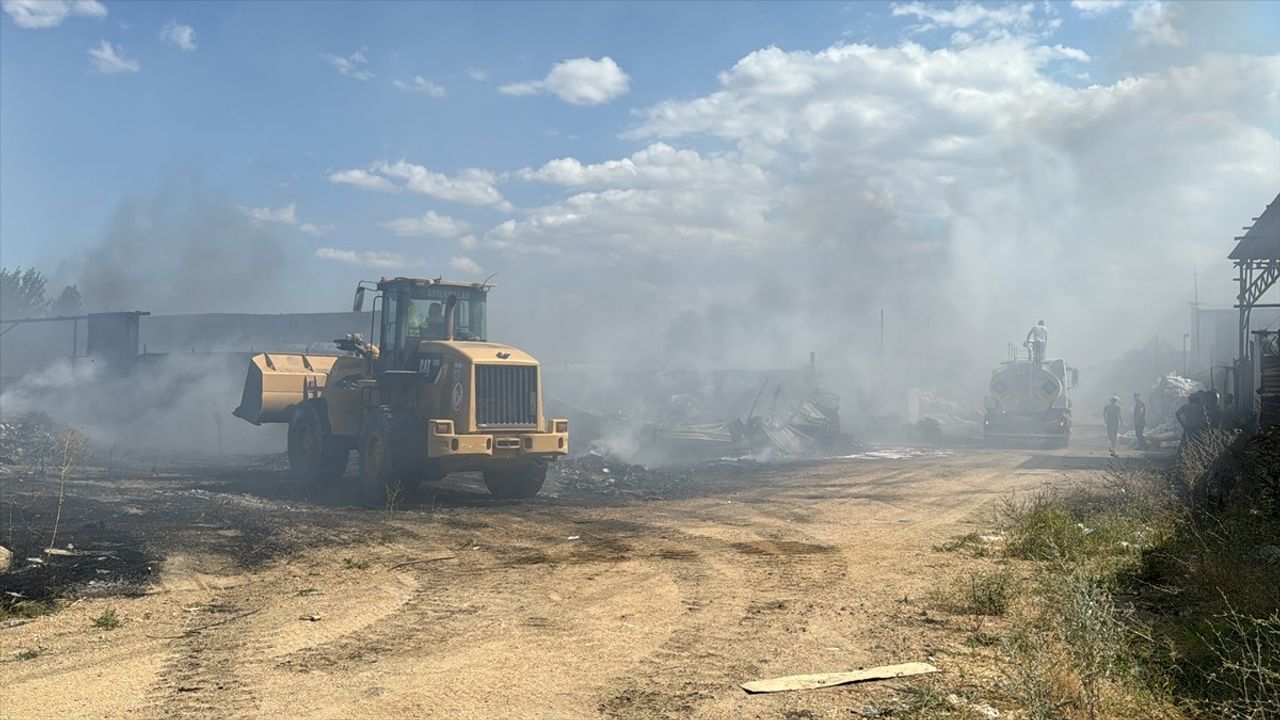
416, 310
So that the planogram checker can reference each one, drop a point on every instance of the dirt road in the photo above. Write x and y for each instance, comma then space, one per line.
264, 601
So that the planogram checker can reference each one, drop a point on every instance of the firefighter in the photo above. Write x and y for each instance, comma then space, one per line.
1191, 417
1139, 420
1111, 416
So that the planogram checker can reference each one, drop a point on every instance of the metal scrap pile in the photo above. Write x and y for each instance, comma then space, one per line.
811, 427
807, 425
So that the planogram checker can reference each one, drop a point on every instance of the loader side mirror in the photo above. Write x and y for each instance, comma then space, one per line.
358, 305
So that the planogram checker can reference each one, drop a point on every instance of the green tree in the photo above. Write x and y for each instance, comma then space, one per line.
68, 303
22, 293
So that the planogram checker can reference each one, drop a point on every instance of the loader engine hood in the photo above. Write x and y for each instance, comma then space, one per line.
489, 386
482, 353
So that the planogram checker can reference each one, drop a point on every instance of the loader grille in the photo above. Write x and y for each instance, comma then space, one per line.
506, 396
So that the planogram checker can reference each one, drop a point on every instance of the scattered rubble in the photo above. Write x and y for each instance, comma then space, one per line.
947, 415
980, 709
806, 425
603, 475
27, 440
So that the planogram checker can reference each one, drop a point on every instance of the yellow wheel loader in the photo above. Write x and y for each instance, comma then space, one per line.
428, 396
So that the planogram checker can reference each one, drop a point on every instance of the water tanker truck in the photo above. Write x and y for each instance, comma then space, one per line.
427, 395
1029, 401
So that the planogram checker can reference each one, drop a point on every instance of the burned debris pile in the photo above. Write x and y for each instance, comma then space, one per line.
684, 427
1168, 393
603, 475
27, 440
809, 427
606, 475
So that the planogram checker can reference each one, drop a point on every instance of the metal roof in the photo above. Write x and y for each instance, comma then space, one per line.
1262, 241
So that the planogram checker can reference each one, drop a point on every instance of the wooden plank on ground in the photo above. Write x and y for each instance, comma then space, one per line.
821, 680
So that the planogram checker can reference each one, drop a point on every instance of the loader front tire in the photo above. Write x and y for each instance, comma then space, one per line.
385, 472
519, 481
315, 457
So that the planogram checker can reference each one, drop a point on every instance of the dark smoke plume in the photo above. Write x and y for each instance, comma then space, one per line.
187, 249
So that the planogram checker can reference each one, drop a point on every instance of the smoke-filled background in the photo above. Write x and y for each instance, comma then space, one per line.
965, 169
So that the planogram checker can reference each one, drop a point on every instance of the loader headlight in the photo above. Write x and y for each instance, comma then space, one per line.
560, 426
442, 427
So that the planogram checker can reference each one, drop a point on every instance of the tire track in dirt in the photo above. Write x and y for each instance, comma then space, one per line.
725, 637
203, 677
448, 595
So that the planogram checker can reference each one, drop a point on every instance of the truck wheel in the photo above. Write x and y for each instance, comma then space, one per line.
314, 455
384, 465
521, 481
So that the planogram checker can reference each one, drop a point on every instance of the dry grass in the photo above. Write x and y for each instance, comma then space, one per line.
26, 610
1156, 595
979, 593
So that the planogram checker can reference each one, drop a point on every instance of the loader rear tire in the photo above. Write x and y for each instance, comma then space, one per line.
315, 457
385, 461
520, 481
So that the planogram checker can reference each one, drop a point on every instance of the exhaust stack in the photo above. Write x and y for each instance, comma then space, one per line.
449, 310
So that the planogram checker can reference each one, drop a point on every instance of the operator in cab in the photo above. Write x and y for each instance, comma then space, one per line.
435, 321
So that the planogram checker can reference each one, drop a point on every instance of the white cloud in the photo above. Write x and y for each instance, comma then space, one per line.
1154, 21
182, 37
353, 65
659, 165
430, 224
317, 230
420, 84
466, 265
364, 180
580, 81
477, 74
109, 59
470, 187
660, 201
375, 259
1094, 8
286, 214
966, 15
532, 87
37, 14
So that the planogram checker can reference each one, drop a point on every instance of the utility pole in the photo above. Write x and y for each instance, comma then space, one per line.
882, 343
1184, 354
1195, 319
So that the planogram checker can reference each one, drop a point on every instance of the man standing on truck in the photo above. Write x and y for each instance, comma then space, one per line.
1111, 416
1139, 420
1038, 337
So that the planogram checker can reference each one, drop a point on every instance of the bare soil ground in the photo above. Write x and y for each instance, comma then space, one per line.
243, 595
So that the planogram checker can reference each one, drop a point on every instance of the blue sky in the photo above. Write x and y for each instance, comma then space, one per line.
257, 114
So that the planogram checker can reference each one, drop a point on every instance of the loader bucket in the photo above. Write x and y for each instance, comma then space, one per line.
276, 382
